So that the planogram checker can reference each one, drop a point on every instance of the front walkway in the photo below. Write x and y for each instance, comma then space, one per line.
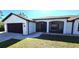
6, 36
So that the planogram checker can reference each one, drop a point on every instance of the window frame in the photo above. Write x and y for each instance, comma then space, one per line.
78, 26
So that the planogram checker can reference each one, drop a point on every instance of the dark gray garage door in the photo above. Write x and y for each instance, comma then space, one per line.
15, 27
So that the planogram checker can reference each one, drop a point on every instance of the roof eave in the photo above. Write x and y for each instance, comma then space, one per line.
15, 15
52, 18
7, 17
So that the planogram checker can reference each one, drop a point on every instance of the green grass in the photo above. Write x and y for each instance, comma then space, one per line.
7, 43
48, 41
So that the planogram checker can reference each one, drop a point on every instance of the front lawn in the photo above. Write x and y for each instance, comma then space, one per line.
7, 43
48, 41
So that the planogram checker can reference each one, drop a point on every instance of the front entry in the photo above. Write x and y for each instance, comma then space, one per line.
41, 27
56, 26
15, 27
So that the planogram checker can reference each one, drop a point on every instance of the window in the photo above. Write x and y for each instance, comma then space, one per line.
54, 26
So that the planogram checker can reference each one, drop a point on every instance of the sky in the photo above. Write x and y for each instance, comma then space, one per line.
41, 13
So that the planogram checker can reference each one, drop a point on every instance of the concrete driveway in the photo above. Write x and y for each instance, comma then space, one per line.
7, 36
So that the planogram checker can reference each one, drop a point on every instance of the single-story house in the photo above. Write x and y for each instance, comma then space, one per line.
59, 24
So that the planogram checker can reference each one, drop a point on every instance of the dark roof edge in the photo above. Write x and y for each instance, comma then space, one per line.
52, 18
7, 17
76, 19
17, 16
70, 20
73, 20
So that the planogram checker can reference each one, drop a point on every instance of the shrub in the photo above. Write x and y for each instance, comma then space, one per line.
1, 26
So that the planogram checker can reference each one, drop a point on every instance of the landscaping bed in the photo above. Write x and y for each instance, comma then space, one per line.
65, 38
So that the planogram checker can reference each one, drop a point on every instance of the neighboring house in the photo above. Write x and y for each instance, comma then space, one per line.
62, 25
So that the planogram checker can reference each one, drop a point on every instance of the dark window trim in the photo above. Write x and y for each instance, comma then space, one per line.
78, 26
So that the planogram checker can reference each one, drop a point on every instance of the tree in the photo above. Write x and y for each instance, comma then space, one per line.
1, 14
23, 14
1, 26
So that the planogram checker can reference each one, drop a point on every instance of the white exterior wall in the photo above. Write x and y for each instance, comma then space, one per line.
32, 27
75, 28
25, 28
68, 28
5, 27
15, 19
65, 23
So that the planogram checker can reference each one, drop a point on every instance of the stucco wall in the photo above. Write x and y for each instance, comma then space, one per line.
14, 19
25, 28
32, 27
64, 20
68, 27
75, 29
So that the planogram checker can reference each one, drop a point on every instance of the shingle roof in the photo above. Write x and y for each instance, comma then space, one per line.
69, 17
72, 18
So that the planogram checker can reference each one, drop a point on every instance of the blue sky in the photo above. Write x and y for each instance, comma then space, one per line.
41, 13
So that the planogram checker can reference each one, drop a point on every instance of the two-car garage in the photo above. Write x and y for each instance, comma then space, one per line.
18, 24
15, 27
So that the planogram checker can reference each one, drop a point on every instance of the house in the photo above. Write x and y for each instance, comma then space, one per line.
59, 24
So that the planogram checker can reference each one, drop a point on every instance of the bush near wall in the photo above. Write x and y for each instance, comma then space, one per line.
1, 26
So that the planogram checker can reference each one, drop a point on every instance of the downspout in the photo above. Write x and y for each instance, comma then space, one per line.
72, 27
28, 27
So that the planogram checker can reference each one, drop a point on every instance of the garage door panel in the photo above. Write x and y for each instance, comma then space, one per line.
15, 27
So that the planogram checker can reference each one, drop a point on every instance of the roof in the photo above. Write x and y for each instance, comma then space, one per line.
69, 17
17, 16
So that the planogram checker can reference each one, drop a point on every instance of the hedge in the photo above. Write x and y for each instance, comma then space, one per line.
1, 26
